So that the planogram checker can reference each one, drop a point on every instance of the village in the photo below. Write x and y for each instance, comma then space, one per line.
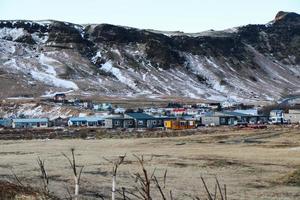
172, 116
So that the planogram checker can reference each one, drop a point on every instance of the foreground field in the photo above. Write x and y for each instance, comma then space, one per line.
254, 164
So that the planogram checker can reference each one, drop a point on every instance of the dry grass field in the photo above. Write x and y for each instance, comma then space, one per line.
254, 164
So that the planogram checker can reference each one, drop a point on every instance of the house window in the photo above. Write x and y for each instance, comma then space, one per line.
140, 122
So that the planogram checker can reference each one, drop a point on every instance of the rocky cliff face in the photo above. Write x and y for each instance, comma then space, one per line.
253, 62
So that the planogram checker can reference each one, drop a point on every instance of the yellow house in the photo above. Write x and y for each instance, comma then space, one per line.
179, 124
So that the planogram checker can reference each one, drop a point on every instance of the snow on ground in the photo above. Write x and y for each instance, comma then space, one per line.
34, 110
52, 80
14, 33
12, 64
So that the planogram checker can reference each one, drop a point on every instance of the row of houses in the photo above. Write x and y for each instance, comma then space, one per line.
144, 120
128, 120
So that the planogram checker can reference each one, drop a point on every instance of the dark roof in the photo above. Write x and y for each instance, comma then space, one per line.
140, 116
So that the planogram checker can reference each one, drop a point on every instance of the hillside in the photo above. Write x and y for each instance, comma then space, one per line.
252, 62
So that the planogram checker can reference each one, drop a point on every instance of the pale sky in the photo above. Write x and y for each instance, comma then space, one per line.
168, 15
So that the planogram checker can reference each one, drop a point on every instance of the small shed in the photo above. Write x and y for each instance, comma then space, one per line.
30, 123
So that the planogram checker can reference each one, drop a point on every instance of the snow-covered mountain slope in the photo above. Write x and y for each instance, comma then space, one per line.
253, 62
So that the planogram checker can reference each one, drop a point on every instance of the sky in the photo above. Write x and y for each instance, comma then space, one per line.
167, 15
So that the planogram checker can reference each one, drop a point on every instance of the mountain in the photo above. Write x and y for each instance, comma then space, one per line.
252, 62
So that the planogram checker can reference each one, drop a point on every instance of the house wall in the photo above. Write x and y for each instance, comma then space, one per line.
29, 124
292, 117
5, 123
155, 123
210, 120
108, 123
128, 123
77, 123
119, 123
141, 123
180, 124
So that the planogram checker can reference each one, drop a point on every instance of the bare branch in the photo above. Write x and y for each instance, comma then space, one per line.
159, 188
44, 174
220, 190
17, 178
207, 191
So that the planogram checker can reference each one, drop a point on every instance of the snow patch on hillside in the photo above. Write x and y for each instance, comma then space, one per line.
196, 65
108, 67
14, 33
52, 80
45, 61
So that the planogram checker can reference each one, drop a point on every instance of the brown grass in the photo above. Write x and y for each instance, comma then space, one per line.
247, 168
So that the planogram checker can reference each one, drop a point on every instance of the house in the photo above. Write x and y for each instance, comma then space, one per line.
276, 117
59, 97
179, 124
217, 118
89, 121
142, 120
102, 106
5, 123
88, 104
244, 117
59, 121
276, 113
293, 116
30, 123
179, 111
119, 123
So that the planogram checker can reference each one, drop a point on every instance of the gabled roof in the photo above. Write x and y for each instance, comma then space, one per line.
140, 116
32, 120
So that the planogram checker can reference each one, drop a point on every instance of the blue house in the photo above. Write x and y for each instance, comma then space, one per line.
30, 123
89, 121
5, 122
